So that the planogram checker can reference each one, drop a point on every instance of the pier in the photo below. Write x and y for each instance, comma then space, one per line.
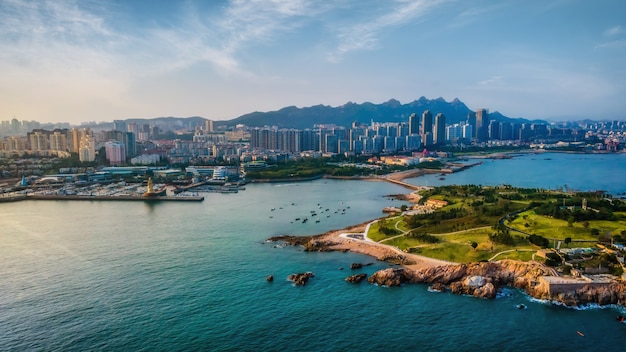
115, 198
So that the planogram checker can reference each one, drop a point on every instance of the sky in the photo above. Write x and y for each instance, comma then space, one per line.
92, 60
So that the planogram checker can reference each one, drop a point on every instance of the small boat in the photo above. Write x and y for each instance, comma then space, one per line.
580, 333
317, 221
297, 219
305, 220
521, 306
620, 318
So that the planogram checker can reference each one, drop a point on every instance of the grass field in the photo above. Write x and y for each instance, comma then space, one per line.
559, 229
457, 247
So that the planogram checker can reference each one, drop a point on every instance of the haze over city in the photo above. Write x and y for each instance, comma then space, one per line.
76, 61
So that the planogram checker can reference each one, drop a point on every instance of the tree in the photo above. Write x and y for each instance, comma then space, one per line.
568, 240
595, 232
586, 224
474, 245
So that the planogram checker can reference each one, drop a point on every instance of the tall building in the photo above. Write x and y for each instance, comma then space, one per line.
208, 126
482, 124
119, 125
115, 152
58, 141
427, 127
414, 127
38, 140
87, 148
440, 129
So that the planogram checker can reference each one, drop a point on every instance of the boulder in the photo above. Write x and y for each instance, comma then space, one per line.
301, 278
355, 279
354, 266
270, 278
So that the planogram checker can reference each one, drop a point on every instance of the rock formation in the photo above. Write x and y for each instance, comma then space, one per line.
301, 278
355, 279
484, 279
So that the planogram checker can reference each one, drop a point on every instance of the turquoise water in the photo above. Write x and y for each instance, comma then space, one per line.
129, 276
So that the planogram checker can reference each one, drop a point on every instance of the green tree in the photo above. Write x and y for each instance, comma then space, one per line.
474, 245
568, 240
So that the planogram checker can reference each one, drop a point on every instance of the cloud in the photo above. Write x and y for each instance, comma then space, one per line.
613, 31
612, 45
364, 35
490, 81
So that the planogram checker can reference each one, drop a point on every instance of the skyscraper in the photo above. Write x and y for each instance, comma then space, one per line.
482, 124
413, 124
427, 127
440, 129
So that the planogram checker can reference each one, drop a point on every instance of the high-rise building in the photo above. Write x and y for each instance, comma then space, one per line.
482, 124
208, 126
427, 127
440, 129
38, 140
119, 125
414, 127
87, 148
115, 152
58, 141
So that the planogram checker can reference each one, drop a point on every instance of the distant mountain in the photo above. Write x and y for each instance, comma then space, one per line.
390, 111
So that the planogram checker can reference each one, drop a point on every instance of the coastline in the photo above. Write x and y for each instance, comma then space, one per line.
353, 239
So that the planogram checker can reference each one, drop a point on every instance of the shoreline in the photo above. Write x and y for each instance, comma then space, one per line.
353, 239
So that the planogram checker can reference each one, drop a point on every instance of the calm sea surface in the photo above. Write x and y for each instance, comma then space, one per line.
129, 276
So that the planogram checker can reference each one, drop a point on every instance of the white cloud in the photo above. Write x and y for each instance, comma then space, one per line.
364, 34
490, 81
613, 31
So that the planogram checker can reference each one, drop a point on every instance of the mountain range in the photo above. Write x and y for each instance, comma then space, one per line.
391, 111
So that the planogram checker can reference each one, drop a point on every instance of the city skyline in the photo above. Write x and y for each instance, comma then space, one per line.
66, 61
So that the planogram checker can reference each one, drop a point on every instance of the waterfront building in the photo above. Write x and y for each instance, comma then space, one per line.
482, 125
115, 152
454, 132
413, 142
494, 130
468, 132
87, 149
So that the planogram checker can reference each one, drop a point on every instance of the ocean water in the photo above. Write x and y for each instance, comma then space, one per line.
582, 172
130, 276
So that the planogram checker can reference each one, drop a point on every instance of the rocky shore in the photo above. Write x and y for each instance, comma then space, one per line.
485, 279
481, 279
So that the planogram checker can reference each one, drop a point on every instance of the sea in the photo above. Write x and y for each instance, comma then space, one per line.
191, 276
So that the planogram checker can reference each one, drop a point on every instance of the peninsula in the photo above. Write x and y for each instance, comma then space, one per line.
475, 240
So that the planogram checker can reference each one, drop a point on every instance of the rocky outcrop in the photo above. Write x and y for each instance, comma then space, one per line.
484, 279
613, 293
269, 278
355, 266
301, 278
355, 279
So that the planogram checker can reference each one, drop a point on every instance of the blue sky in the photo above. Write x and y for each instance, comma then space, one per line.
74, 61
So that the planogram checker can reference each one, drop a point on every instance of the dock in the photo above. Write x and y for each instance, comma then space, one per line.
116, 198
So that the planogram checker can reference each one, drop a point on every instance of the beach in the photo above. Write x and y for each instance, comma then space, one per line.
353, 239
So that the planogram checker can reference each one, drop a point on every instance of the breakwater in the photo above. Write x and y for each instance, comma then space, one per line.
116, 198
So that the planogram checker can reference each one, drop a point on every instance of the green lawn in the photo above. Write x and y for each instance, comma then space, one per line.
556, 228
457, 247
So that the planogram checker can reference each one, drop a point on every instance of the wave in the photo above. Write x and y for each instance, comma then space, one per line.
588, 306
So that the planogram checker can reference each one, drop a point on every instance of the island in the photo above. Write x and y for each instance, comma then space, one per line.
563, 246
